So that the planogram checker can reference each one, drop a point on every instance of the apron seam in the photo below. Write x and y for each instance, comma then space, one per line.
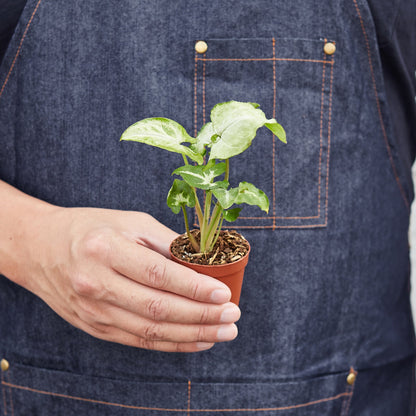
380, 116
13, 65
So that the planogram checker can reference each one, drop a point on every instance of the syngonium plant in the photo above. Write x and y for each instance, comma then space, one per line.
232, 128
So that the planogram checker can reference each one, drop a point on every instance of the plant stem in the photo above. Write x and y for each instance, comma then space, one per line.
198, 209
227, 170
216, 215
207, 209
218, 234
197, 204
188, 232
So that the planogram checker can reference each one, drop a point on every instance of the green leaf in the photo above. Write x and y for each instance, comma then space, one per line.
236, 124
204, 138
202, 177
276, 129
225, 197
249, 194
231, 215
163, 133
246, 193
180, 194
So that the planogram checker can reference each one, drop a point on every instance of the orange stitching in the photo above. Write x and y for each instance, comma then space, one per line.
4, 396
279, 218
277, 226
264, 59
352, 393
320, 138
19, 48
314, 217
273, 137
203, 93
189, 397
275, 409
195, 96
329, 143
11, 398
347, 402
82, 399
379, 108
296, 406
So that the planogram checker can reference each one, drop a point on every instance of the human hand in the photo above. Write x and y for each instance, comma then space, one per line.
107, 272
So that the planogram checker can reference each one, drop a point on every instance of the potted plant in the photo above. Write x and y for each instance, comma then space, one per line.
233, 126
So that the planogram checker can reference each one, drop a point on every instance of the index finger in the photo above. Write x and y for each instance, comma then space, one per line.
154, 270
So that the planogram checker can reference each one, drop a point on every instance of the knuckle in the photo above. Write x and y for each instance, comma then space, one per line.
194, 289
156, 309
145, 217
200, 336
97, 243
156, 275
204, 315
152, 332
86, 286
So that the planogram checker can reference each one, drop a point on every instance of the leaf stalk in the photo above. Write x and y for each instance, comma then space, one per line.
194, 243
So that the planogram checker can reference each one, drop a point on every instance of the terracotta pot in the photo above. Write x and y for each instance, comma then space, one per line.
230, 274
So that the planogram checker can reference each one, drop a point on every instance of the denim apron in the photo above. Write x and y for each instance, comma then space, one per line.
326, 326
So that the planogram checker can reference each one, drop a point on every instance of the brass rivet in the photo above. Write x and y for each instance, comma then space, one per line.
201, 46
4, 365
351, 378
329, 48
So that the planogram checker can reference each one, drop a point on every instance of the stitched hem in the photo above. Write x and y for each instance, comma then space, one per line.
189, 410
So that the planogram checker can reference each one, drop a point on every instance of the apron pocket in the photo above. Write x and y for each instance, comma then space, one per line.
291, 79
29, 390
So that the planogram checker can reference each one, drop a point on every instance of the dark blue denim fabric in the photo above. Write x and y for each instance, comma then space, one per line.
395, 22
327, 286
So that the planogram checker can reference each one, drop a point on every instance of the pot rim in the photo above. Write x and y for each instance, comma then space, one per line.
207, 266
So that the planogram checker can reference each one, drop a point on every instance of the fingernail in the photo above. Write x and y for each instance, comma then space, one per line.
231, 314
220, 296
204, 345
227, 333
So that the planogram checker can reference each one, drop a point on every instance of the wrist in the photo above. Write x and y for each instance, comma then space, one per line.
21, 221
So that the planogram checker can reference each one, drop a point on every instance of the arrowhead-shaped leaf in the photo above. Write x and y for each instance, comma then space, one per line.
249, 194
202, 177
225, 197
276, 129
180, 194
246, 193
236, 124
164, 133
